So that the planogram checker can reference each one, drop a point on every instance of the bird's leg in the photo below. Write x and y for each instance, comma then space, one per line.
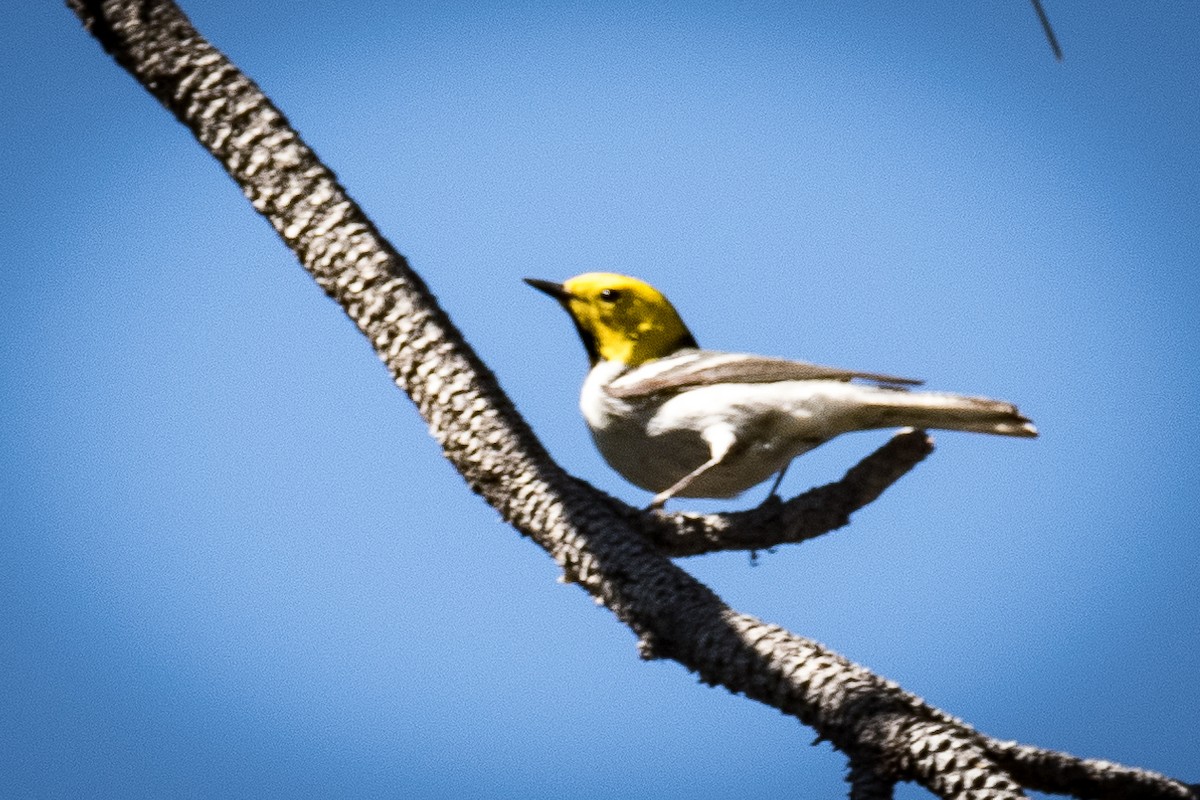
774, 493
721, 440
662, 497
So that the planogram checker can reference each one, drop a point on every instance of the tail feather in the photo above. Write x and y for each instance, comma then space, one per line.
955, 412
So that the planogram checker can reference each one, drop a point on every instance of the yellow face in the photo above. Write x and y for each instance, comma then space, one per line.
621, 318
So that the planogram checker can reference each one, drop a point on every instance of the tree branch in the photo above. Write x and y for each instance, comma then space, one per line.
1059, 773
818, 511
597, 542
867, 784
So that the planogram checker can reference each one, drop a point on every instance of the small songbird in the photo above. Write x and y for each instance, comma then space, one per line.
681, 421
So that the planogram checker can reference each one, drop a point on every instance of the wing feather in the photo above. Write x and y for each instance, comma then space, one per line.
706, 367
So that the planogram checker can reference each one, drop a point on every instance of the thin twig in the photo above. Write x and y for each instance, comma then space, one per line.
1046, 27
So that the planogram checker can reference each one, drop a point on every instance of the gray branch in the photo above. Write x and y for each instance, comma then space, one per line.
807, 516
1059, 773
867, 784
599, 543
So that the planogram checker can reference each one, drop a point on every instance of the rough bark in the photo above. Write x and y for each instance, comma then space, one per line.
806, 516
614, 552
867, 784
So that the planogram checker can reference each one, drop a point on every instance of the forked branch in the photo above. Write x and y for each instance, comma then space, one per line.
807, 516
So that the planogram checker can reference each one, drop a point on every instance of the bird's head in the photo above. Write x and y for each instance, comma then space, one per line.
619, 318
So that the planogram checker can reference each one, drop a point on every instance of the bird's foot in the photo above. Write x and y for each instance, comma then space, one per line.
771, 500
659, 501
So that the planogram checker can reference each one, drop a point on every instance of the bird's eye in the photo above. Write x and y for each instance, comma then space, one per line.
609, 295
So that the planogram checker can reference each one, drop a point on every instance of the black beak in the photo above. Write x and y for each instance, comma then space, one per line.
564, 297
555, 290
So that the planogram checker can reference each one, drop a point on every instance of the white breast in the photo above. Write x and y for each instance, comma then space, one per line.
654, 441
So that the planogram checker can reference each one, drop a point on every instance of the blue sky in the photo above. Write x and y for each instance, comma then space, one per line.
235, 565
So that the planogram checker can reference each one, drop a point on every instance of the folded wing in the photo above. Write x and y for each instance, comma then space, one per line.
705, 367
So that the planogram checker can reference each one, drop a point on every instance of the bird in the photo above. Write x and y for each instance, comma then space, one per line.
681, 421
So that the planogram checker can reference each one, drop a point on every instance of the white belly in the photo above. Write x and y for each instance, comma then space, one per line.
655, 442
